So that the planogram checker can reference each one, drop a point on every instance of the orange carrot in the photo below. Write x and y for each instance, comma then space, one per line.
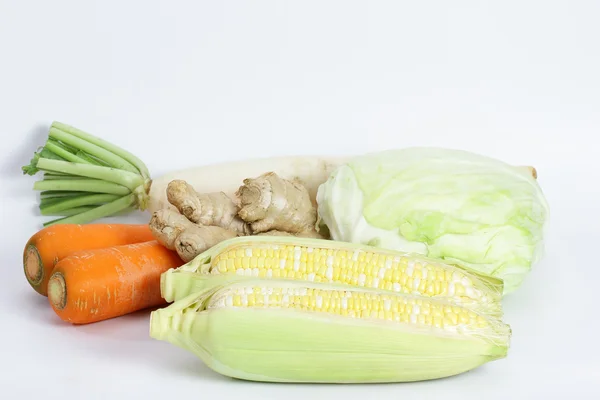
95, 285
48, 246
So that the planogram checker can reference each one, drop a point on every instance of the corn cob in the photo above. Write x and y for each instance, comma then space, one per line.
276, 330
318, 260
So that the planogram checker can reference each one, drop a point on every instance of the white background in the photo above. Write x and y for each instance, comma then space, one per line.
191, 83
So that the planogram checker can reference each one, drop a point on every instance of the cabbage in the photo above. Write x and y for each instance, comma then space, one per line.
464, 208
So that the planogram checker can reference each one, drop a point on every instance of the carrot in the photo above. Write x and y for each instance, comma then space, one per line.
48, 246
95, 285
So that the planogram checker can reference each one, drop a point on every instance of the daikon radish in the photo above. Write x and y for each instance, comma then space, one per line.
87, 178
312, 171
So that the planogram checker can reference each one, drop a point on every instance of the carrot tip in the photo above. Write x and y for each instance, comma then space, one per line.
57, 291
34, 268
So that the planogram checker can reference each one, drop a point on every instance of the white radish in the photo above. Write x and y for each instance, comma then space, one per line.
86, 178
311, 171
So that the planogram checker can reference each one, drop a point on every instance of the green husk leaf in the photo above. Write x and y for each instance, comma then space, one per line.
283, 344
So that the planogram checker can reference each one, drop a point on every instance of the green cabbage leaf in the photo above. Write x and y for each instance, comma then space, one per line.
464, 208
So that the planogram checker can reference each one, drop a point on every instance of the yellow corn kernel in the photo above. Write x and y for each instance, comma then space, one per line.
416, 274
237, 263
387, 274
363, 267
302, 267
344, 263
230, 265
237, 300
463, 317
310, 256
310, 267
325, 303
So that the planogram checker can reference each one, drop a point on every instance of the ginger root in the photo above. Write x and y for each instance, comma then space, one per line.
166, 225
195, 241
176, 232
269, 205
206, 209
269, 202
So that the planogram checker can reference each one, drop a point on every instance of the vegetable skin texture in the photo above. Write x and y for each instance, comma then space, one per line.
51, 244
269, 202
296, 341
166, 225
206, 208
176, 232
96, 285
193, 241
320, 260
268, 205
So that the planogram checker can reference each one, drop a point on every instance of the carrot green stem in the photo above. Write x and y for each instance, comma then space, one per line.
78, 210
63, 153
81, 185
53, 194
108, 209
124, 178
139, 164
55, 200
53, 176
59, 205
112, 159
67, 213
90, 159
86, 178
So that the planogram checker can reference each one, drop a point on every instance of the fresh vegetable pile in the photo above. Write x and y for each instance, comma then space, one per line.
385, 267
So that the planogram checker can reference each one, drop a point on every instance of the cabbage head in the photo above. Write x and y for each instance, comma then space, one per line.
464, 208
